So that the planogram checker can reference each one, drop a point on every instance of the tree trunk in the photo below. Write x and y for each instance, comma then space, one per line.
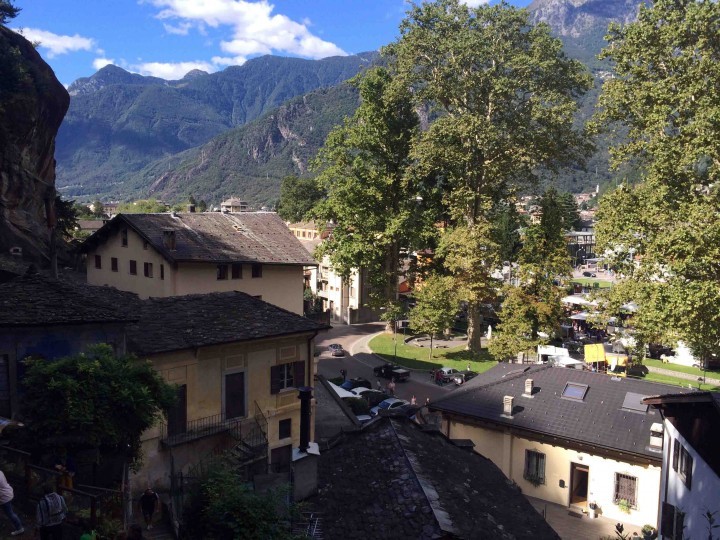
474, 332
431, 345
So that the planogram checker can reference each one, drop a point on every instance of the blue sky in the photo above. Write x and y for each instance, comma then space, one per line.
168, 38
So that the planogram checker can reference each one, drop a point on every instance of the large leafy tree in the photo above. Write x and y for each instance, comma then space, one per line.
437, 304
370, 198
504, 93
93, 400
664, 235
297, 197
533, 304
7, 11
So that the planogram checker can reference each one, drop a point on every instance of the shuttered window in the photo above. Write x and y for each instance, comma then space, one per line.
287, 376
626, 489
676, 454
534, 467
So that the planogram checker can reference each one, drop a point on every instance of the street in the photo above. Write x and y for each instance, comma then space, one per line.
359, 362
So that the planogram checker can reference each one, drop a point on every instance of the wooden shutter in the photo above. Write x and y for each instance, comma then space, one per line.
275, 382
235, 395
298, 374
688, 462
676, 454
667, 520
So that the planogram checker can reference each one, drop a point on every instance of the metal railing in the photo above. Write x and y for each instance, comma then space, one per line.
197, 429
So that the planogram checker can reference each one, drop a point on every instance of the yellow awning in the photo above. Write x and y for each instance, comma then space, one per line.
594, 352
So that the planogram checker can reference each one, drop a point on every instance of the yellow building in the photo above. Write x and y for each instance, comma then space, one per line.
238, 363
565, 436
160, 255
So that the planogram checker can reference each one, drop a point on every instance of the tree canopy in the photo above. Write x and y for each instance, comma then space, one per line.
437, 304
142, 206
7, 11
663, 235
373, 203
93, 400
504, 95
297, 197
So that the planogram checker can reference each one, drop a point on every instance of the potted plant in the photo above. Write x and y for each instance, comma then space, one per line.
592, 510
624, 506
649, 532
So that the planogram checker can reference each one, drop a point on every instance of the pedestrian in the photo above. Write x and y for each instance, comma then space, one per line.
438, 377
343, 372
468, 366
148, 504
391, 387
379, 385
50, 514
6, 497
413, 401
427, 402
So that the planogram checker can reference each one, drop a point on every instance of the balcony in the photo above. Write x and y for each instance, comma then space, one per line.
202, 427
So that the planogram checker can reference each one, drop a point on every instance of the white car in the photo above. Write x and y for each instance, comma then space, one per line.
389, 403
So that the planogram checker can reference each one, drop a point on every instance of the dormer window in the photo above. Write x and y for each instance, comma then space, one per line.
123, 238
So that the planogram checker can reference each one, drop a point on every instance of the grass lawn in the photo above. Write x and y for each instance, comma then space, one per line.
656, 377
419, 357
589, 282
682, 369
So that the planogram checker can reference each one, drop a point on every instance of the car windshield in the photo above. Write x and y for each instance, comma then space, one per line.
385, 405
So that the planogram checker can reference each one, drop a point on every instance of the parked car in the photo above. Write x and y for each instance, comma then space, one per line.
447, 373
359, 382
389, 403
334, 346
373, 397
464, 376
589, 274
337, 351
391, 371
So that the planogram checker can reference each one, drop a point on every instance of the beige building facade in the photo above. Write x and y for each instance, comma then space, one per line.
147, 257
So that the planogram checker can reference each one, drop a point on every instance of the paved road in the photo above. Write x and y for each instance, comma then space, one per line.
360, 362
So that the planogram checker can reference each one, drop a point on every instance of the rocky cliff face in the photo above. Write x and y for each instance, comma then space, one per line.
32, 106
573, 18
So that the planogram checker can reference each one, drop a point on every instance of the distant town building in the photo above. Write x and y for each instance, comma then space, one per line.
162, 255
234, 204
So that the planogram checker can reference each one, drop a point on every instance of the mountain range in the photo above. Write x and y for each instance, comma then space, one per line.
240, 131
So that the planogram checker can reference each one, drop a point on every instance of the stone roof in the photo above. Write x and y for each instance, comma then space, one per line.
609, 416
392, 480
248, 237
234, 201
182, 322
35, 300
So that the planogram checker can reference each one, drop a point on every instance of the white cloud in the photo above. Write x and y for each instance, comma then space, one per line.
181, 29
255, 29
100, 63
169, 70
56, 44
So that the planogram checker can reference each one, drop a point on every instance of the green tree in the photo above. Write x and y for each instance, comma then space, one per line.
224, 508
663, 235
98, 209
67, 218
570, 211
7, 11
143, 206
93, 400
362, 169
437, 304
505, 95
297, 197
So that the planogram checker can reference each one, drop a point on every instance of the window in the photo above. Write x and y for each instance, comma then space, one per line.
575, 391
685, 467
237, 271
534, 467
286, 376
676, 455
162, 271
177, 414
123, 237
257, 270
133, 267
98, 261
148, 269
222, 271
626, 489
145, 244
285, 428
114, 264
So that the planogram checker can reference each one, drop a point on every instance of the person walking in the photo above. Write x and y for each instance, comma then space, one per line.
148, 504
391, 387
50, 515
413, 401
379, 385
6, 497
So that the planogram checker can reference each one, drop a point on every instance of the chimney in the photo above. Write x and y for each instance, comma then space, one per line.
191, 208
305, 412
305, 457
169, 239
508, 406
528, 388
